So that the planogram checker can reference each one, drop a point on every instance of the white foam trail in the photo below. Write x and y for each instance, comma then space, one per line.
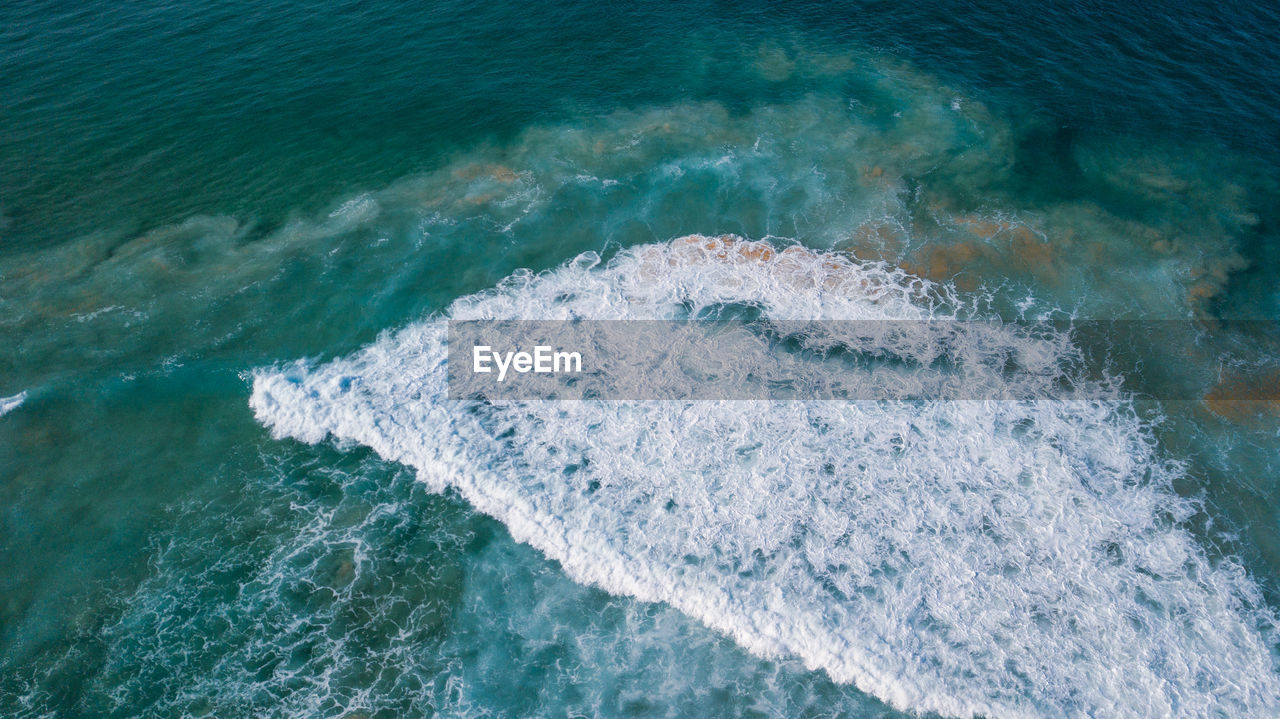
968, 558
8, 404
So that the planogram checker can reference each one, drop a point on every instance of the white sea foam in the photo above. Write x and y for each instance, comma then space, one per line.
8, 404
968, 558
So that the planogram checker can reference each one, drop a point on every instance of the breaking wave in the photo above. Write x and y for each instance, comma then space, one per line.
967, 558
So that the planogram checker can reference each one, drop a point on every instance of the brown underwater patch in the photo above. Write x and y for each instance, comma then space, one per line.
1210, 280
1243, 397
999, 247
493, 171
874, 241
954, 262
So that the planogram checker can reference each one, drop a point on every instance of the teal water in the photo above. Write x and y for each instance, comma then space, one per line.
189, 194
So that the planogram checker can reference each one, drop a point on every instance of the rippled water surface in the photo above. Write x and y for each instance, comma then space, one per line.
230, 483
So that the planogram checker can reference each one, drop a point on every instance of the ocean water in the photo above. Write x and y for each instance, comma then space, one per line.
231, 483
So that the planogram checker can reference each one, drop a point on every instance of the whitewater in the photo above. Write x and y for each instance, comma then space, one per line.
993, 558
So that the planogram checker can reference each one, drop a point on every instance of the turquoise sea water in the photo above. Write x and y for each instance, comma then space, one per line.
192, 197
